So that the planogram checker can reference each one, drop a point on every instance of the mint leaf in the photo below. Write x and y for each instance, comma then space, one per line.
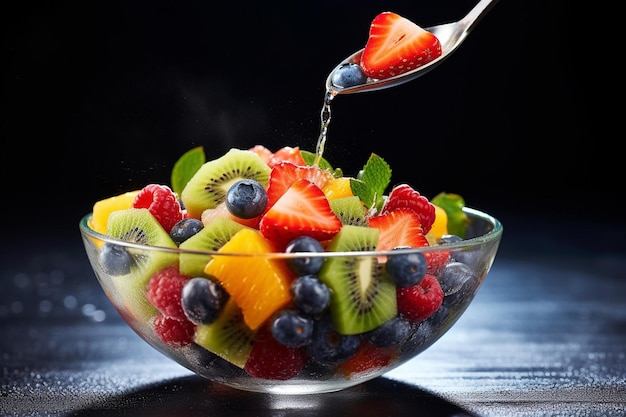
372, 182
309, 158
185, 167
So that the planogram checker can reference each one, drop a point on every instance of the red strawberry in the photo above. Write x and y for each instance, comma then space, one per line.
400, 227
162, 202
368, 358
302, 210
287, 154
164, 292
397, 45
404, 196
285, 173
173, 332
263, 152
270, 359
418, 302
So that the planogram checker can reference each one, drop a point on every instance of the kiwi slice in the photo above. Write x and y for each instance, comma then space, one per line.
228, 336
350, 210
209, 185
210, 238
140, 226
362, 298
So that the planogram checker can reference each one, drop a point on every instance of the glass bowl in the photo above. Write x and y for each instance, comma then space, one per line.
226, 351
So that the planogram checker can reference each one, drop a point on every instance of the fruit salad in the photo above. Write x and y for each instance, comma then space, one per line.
298, 303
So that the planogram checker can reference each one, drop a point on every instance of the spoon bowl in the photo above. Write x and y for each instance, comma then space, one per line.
450, 35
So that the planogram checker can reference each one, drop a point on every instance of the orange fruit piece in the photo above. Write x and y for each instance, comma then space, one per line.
102, 209
259, 285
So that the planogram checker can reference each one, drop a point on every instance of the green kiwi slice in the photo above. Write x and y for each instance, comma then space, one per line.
209, 185
228, 336
362, 298
210, 238
140, 226
350, 210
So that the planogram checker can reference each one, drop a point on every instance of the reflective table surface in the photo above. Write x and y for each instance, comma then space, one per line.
546, 336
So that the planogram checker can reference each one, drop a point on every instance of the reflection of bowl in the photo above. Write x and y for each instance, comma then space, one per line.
332, 361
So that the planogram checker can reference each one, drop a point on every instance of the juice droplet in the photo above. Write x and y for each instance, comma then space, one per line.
325, 116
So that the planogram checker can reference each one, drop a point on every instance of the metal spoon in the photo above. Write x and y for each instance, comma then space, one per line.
450, 35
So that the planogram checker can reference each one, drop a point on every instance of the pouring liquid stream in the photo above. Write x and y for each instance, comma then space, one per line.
325, 117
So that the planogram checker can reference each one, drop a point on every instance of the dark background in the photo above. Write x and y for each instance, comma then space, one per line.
103, 97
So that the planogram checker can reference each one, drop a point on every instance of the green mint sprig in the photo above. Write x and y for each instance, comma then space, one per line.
185, 167
372, 182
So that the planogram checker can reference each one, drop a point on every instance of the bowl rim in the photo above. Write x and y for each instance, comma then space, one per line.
492, 235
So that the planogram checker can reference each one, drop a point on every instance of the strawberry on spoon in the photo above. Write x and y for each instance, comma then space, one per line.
396, 45
349, 76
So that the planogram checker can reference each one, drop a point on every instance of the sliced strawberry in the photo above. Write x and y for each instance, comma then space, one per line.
263, 152
418, 302
302, 210
404, 196
397, 45
287, 154
400, 227
285, 173
368, 359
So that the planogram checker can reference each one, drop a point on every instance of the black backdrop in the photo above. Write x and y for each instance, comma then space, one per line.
102, 97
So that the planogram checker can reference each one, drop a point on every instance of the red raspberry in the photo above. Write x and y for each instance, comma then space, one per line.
404, 196
164, 292
418, 302
162, 203
173, 332
436, 261
270, 359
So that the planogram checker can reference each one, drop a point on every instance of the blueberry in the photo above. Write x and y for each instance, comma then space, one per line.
465, 256
184, 229
348, 75
406, 269
449, 239
114, 259
453, 277
390, 333
246, 199
291, 328
329, 347
305, 265
310, 294
203, 300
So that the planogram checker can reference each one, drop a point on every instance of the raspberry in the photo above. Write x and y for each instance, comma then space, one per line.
418, 302
164, 292
404, 196
270, 359
162, 202
173, 332
436, 261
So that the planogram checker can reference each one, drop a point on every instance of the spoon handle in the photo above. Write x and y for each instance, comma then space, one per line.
478, 12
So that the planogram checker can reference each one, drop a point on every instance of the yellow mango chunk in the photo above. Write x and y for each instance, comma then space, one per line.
103, 208
260, 286
338, 188
439, 227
